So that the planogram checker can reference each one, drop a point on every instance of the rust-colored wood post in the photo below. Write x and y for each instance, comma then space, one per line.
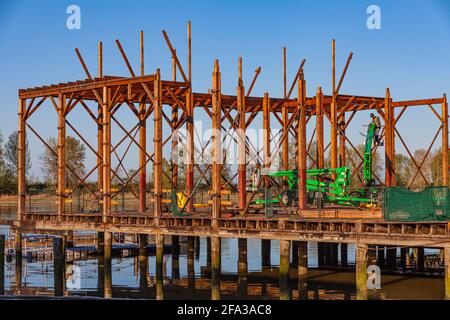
106, 155
18, 258
215, 268
142, 139
333, 111
216, 144
361, 257
2, 264
190, 149
174, 135
100, 125
266, 135
341, 125
107, 259
388, 127
319, 129
61, 155
242, 267
21, 174
242, 163
447, 272
445, 142
302, 144
159, 240
285, 119
157, 143
285, 250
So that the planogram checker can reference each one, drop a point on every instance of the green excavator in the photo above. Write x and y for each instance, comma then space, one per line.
335, 191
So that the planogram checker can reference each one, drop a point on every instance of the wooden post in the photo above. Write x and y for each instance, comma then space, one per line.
157, 143
242, 161
215, 268
2, 264
320, 254
190, 149
285, 118
302, 248
142, 138
319, 129
302, 144
380, 256
61, 155
106, 155
333, 110
143, 264
159, 239
266, 135
445, 142
59, 266
174, 135
447, 272
100, 261
391, 257
242, 267
420, 259
265, 253
344, 254
284, 269
108, 237
21, 174
175, 257
361, 270
388, 127
341, 124
100, 125
190, 264
294, 257
216, 145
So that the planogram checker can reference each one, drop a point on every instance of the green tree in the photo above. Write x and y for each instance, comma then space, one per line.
12, 154
75, 157
403, 170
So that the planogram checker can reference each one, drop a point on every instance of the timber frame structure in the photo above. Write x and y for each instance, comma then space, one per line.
149, 97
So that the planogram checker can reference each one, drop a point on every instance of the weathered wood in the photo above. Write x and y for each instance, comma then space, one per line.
107, 256
361, 269
215, 268
157, 145
447, 272
59, 266
61, 150
159, 239
389, 131
301, 136
285, 247
445, 164
216, 144
106, 155
242, 153
2, 264
242, 267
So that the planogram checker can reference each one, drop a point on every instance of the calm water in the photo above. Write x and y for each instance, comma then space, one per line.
38, 277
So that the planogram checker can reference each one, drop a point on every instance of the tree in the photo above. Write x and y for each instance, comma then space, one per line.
12, 154
403, 170
75, 157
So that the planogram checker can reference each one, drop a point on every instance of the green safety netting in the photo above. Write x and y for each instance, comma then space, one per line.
428, 204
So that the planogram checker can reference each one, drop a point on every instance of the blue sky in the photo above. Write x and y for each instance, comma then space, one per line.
410, 54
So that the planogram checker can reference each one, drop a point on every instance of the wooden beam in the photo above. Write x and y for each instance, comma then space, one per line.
242, 161
61, 194
445, 142
157, 143
216, 144
106, 130
21, 170
302, 144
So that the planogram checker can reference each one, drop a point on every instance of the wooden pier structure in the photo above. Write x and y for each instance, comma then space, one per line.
169, 104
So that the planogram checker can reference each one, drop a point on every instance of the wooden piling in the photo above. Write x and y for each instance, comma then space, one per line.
445, 165
190, 264
319, 129
21, 168
302, 252
159, 239
344, 254
266, 136
265, 253
285, 247
106, 155
242, 160
447, 272
294, 254
157, 145
61, 151
361, 256
301, 134
18, 259
242, 267
420, 259
175, 257
108, 236
391, 257
389, 132
333, 110
215, 268
216, 144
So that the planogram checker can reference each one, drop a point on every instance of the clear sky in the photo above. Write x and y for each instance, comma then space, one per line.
410, 54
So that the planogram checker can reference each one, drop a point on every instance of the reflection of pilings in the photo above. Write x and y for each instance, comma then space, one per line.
143, 265
284, 269
242, 267
190, 264
18, 264
100, 261
265, 253
2, 264
59, 266
361, 257
197, 248
447, 272
175, 257
302, 271
108, 236
159, 239
215, 268
344, 254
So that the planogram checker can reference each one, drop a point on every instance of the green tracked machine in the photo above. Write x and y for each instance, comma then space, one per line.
335, 191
